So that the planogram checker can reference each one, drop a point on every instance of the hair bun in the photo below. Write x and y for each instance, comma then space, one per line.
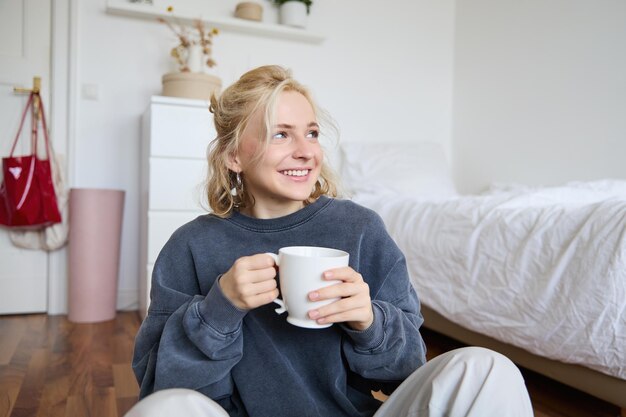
213, 105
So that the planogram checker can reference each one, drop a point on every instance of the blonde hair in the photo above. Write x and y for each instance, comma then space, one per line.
257, 89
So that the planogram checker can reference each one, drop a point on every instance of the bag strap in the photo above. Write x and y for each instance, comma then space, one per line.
45, 127
35, 126
19, 131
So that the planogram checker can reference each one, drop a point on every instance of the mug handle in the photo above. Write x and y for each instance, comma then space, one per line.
281, 303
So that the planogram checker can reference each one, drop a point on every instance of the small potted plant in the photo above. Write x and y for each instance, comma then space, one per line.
294, 12
193, 56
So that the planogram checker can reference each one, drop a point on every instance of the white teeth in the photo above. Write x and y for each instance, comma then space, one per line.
296, 172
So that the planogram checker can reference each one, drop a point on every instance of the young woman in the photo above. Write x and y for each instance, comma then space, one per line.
212, 345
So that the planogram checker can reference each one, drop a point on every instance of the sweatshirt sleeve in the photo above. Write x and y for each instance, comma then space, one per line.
392, 347
187, 340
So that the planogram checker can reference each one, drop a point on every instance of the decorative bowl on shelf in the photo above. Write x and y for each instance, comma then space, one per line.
249, 10
191, 85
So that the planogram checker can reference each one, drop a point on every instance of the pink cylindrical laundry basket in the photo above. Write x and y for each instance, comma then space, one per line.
95, 219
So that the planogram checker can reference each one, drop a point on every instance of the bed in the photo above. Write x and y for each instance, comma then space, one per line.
538, 273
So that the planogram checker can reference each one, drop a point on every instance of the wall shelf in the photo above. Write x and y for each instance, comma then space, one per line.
147, 11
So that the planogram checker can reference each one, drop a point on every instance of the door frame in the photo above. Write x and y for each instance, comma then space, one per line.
63, 122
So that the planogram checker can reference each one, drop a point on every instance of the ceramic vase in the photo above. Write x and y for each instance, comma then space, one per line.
195, 59
293, 13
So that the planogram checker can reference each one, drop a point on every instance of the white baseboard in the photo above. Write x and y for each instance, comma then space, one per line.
127, 300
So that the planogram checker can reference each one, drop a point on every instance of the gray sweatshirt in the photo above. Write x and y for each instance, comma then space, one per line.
253, 363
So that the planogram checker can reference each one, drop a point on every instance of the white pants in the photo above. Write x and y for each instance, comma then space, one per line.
469, 382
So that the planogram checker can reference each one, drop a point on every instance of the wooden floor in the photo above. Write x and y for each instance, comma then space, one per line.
51, 367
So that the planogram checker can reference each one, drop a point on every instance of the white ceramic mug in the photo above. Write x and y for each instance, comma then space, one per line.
300, 269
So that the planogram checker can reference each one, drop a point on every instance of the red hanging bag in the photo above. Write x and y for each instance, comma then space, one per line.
27, 196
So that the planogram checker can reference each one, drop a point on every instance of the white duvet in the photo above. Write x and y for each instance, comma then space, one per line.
541, 268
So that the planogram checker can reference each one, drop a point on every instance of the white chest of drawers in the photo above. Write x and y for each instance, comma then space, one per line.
175, 136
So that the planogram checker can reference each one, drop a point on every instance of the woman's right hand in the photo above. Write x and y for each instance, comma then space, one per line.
250, 282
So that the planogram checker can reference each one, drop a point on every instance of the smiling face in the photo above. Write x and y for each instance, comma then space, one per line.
285, 174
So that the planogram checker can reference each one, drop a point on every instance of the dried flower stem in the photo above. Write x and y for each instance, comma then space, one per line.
187, 39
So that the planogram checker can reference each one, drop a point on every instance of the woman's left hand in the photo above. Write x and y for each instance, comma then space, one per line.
354, 306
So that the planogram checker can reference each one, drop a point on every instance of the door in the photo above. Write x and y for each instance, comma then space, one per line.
24, 53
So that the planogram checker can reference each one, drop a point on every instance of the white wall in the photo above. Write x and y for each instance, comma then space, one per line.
539, 91
384, 72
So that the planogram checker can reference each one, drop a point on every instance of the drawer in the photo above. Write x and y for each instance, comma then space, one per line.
179, 131
161, 225
176, 184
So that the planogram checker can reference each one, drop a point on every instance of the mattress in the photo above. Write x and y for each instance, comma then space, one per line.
541, 268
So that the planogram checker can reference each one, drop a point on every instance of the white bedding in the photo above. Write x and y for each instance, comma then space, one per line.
540, 268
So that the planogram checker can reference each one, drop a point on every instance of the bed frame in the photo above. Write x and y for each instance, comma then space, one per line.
605, 387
